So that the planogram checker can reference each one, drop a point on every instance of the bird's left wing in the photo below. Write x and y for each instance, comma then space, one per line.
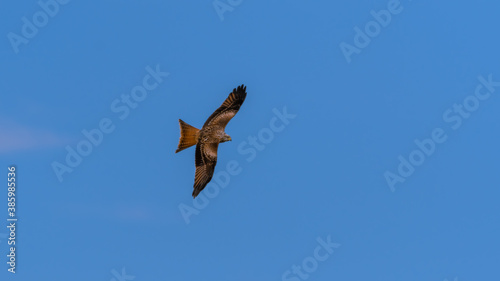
205, 160
229, 108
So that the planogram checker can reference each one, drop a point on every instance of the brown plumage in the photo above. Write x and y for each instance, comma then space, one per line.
208, 138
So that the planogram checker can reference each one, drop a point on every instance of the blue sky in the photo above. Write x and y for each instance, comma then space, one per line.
319, 177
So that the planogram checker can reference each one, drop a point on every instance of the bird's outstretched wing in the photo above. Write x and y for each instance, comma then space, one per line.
206, 159
229, 108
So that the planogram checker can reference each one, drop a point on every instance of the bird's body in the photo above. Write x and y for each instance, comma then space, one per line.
208, 138
212, 134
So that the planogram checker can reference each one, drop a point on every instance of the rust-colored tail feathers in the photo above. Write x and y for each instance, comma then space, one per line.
189, 136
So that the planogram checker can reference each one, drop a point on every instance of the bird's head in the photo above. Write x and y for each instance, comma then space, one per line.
226, 138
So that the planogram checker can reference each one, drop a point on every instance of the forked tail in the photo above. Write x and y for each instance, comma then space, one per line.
189, 136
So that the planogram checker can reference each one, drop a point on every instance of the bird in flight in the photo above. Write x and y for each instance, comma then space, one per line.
208, 138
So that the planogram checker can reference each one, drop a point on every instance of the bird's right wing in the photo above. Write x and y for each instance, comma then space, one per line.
229, 107
205, 160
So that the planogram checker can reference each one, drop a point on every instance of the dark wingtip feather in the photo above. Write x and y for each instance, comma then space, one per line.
241, 88
198, 188
240, 91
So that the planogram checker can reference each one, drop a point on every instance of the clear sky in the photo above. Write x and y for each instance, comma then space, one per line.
367, 147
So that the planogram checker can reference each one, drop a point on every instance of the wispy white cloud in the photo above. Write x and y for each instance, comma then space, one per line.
16, 137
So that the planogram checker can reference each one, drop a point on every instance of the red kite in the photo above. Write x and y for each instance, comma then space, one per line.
208, 138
